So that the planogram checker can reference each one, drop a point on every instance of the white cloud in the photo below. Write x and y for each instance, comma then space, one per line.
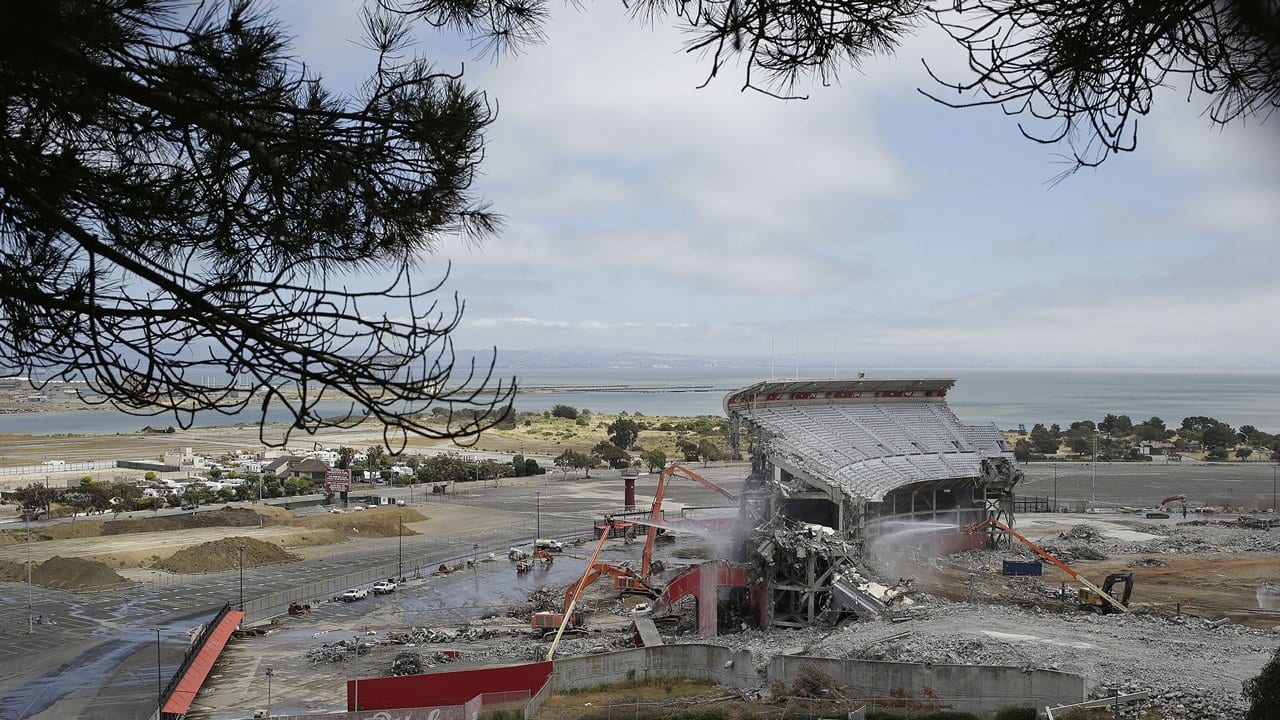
644, 213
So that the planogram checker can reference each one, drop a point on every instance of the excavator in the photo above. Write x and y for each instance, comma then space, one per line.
1090, 597
1164, 508
625, 579
567, 620
631, 582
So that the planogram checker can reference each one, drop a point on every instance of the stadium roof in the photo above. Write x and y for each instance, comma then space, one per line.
865, 437
784, 391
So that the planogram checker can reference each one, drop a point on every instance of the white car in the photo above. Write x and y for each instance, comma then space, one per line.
382, 587
355, 594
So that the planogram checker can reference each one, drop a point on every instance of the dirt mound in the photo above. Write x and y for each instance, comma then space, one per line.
223, 517
373, 523
70, 530
69, 573
12, 571
224, 555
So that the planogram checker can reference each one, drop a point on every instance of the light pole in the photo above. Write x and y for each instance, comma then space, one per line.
1055, 488
1093, 491
357, 683
400, 533
269, 674
159, 681
537, 504
241, 549
475, 548
1274, 507
31, 623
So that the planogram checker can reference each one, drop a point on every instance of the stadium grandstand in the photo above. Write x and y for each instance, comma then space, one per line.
867, 456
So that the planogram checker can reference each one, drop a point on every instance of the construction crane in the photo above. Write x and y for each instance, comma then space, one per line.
1091, 595
543, 623
632, 582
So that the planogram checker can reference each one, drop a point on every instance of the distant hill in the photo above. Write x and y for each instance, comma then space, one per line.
595, 358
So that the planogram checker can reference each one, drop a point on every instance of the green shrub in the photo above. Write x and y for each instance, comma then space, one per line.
1015, 712
1263, 691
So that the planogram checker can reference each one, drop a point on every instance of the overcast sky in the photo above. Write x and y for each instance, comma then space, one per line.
646, 214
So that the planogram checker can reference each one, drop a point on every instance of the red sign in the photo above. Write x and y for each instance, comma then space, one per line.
338, 481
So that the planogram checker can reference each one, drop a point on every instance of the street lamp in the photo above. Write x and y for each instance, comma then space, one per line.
269, 674
400, 533
241, 549
475, 548
537, 504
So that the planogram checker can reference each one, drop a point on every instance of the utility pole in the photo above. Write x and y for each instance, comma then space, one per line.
270, 672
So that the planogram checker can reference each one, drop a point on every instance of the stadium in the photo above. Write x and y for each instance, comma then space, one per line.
866, 456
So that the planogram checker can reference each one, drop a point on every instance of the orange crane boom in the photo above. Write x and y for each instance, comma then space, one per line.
571, 595
1058, 563
652, 534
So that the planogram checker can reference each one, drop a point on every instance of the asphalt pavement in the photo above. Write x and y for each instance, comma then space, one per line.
98, 660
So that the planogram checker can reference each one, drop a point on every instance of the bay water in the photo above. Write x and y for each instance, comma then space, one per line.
1007, 397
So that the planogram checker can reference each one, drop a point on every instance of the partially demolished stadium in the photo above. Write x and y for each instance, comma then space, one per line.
842, 468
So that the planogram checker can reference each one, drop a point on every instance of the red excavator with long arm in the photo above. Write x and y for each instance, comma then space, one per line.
546, 622
632, 582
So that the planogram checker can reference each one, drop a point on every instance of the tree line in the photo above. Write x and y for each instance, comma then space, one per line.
701, 438
1118, 438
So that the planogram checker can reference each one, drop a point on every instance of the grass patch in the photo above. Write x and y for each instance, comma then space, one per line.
585, 703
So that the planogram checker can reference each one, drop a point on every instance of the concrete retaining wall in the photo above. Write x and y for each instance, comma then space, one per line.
731, 668
964, 687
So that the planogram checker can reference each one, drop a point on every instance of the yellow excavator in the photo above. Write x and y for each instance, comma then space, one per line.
1103, 599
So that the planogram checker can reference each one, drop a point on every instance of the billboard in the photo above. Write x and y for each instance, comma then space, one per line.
338, 481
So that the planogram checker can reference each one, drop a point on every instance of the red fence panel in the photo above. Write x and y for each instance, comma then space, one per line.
446, 688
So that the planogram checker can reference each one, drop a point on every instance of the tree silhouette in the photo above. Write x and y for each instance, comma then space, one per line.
1078, 72
179, 201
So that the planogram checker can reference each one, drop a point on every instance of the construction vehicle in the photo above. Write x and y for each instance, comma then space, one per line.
1163, 510
548, 544
631, 582
1100, 602
567, 620
1089, 597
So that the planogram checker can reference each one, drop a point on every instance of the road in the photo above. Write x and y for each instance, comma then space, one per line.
98, 662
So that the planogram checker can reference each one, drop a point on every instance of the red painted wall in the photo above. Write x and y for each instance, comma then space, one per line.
446, 688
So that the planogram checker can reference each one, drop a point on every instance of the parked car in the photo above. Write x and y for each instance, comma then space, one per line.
382, 587
188, 505
355, 594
